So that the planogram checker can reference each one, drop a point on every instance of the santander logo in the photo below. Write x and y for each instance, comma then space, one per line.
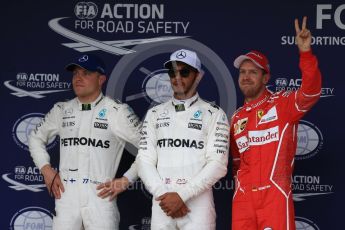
258, 137
242, 144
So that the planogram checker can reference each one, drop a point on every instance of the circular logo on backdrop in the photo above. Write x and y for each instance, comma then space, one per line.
85, 10
139, 80
32, 218
23, 127
305, 224
310, 140
144, 225
156, 87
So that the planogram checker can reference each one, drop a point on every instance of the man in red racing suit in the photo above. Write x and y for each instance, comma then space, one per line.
263, 139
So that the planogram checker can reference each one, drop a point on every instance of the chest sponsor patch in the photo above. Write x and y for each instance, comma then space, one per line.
68, 124
100, 125
240, 125
162, 124
258, 137
194, 126
180, 143
68, 112
179, 108
271, 115
260, 113
242, 144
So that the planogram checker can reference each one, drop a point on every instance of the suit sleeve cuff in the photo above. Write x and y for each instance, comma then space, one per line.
308, 53
132, 173
183, 194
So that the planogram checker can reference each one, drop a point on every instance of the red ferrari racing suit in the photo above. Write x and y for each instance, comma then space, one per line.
263, 143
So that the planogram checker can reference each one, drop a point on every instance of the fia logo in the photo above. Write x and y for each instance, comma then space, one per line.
86, 10
281, 82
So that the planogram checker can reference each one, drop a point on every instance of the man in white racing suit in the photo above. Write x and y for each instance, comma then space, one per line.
183, 151
93, 130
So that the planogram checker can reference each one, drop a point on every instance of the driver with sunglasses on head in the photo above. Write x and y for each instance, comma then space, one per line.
183, 150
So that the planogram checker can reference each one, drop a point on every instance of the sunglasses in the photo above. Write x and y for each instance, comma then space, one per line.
183, 72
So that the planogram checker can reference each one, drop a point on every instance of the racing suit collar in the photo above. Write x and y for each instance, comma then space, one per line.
255, 103
187, 103
89, 106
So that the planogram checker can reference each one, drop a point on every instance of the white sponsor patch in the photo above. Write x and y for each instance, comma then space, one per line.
240, 125
271, 115
261, 137
242, 144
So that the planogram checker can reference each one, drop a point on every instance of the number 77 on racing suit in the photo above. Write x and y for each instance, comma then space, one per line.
93, 130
